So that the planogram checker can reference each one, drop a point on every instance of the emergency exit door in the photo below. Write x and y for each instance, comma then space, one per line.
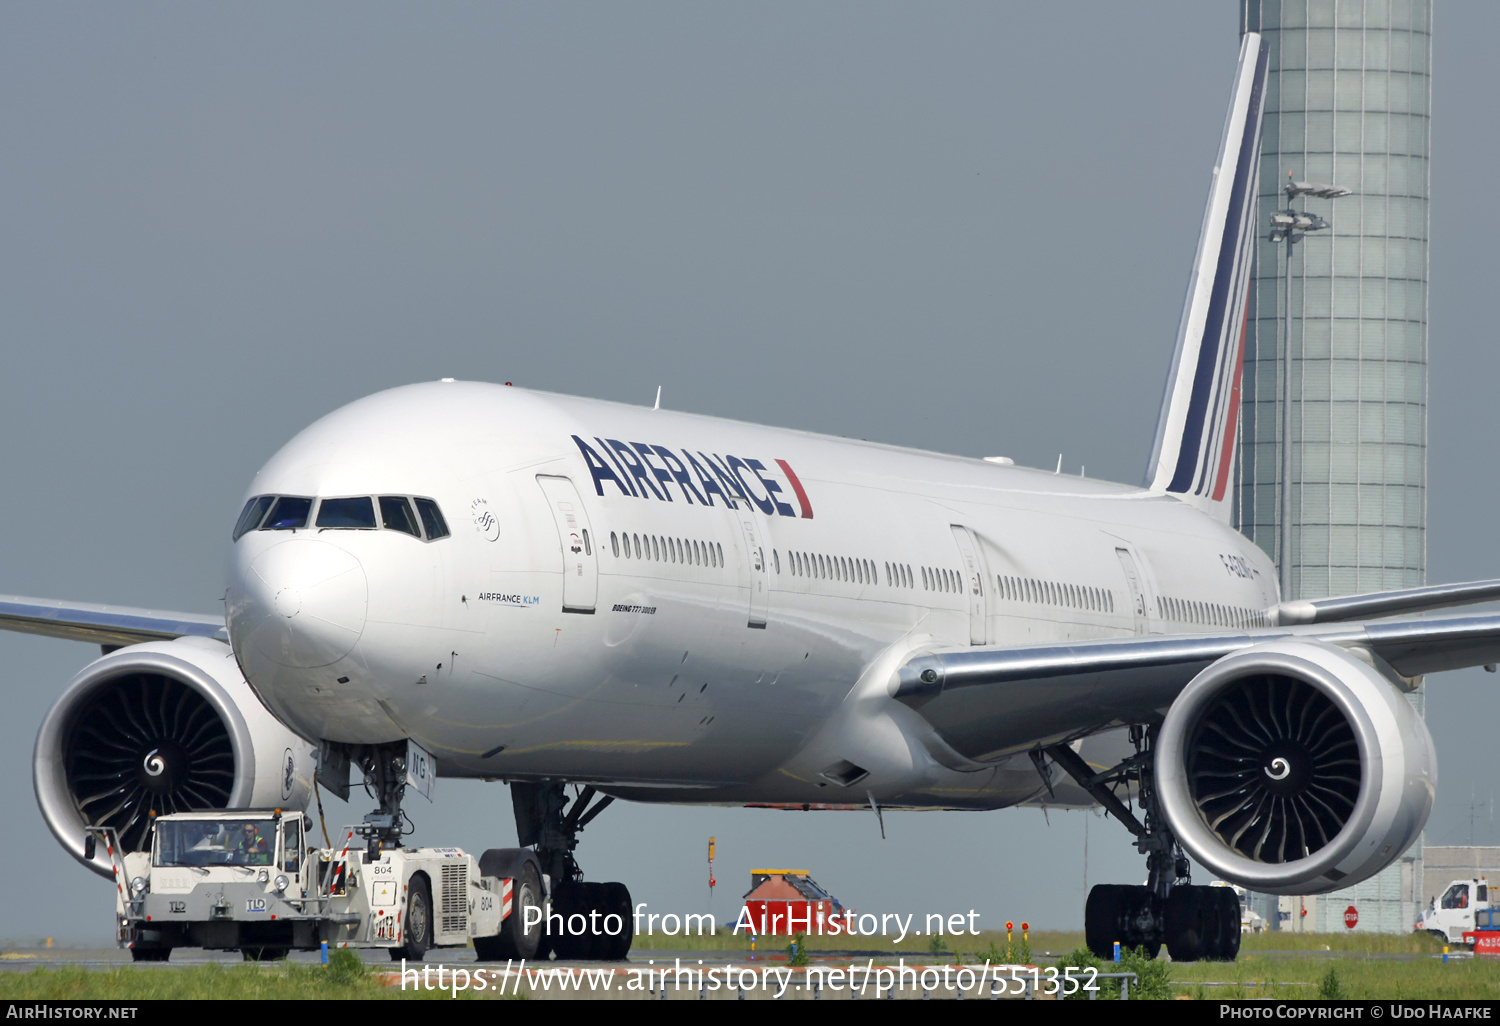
1137, 592
755, 560
580, 564
974, 575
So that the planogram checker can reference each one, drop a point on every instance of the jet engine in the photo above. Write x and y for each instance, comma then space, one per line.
1295, 767
161, 727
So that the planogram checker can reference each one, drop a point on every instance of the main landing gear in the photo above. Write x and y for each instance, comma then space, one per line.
592, 921
1196, 923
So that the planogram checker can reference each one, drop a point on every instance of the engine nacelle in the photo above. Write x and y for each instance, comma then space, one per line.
1294, 767
161, 727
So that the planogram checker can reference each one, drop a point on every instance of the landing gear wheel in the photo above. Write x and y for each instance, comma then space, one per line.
569, 899
616, 902
1228, 947
1203, 924
262, 954
1130, 915
150, 954
418, 924
513, 940
1192, 923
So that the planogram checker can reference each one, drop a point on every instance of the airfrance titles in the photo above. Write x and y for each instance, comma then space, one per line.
697, 477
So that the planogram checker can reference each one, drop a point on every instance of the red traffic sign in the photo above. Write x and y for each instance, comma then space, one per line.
1351, 917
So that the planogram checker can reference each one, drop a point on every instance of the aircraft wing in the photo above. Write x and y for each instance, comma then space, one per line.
1385, 603
987, 702
103, 625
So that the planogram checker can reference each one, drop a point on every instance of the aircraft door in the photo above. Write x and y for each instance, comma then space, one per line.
1137, 591
974, 576
759, 573
580, 562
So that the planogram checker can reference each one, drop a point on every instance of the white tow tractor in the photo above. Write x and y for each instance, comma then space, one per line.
1453, 915
247, 880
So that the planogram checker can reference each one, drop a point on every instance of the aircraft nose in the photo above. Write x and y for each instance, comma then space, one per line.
303, 603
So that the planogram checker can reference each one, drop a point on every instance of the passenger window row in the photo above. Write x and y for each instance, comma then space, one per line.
1054, 593
1209, 614
899, 575
939, 579
830, 568
666, 550
353, 513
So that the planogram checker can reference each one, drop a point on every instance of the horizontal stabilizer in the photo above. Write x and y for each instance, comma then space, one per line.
104, 625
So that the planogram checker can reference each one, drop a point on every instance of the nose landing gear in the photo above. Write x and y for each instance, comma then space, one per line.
1195, 923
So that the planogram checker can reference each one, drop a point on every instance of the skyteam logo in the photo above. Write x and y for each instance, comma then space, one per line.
645, 471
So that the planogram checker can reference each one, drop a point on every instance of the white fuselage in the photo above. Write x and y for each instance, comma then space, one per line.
519, 648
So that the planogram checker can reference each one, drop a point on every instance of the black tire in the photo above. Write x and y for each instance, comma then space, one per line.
417, 923
513, 940
1192, 923
1228, 948
596, 944
263, 954
1130, 915
568, 899
150, 954
1101, 918
616, 901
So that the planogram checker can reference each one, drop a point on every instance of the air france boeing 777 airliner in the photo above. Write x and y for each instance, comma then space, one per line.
592, 601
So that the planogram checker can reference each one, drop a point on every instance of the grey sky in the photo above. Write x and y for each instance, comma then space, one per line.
965, 227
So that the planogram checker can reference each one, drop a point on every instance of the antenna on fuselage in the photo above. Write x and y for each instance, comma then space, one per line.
1059, 464
657, 406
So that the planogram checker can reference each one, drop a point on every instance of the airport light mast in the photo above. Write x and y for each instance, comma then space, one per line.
1289, 226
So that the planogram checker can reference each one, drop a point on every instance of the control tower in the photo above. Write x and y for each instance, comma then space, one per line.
1348, 105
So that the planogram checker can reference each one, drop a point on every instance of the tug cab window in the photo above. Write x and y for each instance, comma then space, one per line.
357, 513
289, 513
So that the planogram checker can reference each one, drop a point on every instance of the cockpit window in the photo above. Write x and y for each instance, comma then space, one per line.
347, 513
289, 513
396, 515
253, 513
432, 519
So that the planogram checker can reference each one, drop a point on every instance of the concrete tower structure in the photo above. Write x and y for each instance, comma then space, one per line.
1348, 103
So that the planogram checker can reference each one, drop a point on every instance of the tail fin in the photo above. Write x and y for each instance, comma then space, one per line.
1194, 448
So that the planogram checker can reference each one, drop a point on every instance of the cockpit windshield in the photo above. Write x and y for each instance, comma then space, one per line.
289, 513
347, 513
221, 842
344, 513
253, 513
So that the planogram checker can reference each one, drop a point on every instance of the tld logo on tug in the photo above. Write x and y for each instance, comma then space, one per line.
697, 477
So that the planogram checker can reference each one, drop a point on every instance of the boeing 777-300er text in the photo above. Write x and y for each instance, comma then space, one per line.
592, 601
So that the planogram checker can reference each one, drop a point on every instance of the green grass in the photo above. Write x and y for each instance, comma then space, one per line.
283, 981
1280, 965
1299, 976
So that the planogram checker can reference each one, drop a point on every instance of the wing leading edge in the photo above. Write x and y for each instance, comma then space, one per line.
991, 702
103, 625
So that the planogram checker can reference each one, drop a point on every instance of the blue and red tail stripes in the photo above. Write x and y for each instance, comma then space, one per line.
1194, 448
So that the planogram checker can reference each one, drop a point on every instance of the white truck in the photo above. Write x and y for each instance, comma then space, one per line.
247, 880
1453, 915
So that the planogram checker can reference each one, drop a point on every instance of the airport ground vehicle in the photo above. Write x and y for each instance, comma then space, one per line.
1453, 915
247, 880
1484, 939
